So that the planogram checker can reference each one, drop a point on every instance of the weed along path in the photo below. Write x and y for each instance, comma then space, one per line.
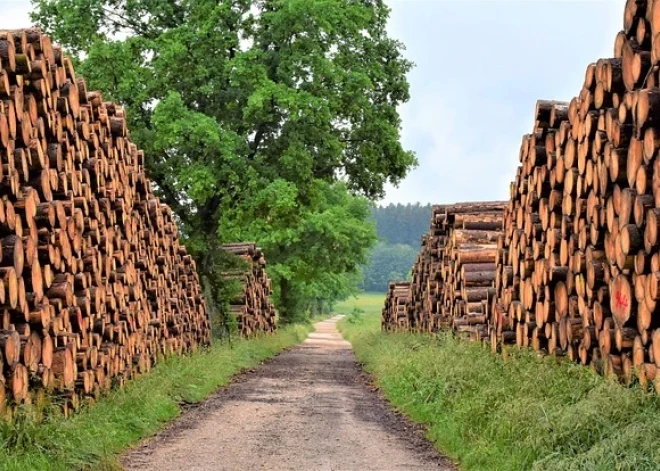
308, 409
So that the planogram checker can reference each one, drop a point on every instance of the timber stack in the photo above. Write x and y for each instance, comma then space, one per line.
542, 223
252, 306
578, 265
468, 266
94, 282
455, 270
426, 286
419, 281
395, 312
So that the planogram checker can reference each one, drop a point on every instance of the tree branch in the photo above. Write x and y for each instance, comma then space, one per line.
207, 214
128, 23
257, 140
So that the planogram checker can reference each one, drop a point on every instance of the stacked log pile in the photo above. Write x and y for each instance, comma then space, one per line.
540, 240
454, 272
426, 302
94, 283
578, 266
395, 312
468, 266
426, 286
252, 306
416, 308
578, 262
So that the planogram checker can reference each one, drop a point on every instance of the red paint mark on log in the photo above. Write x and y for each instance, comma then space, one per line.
621, 299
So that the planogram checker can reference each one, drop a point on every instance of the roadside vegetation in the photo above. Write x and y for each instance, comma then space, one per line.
41, 439
518, 412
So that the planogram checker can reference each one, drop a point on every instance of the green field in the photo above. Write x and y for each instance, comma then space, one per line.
93, 438
521, 412
370, 303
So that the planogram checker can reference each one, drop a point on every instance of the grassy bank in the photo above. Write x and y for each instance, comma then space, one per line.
518, 413
93, 438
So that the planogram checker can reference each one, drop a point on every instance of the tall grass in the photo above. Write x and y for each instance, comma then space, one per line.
92, 438
516, 413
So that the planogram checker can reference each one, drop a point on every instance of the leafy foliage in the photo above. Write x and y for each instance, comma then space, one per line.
270, 120
315, 251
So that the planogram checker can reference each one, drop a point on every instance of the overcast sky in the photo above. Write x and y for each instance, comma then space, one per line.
480, 66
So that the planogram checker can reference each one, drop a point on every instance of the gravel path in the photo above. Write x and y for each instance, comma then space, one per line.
308, 409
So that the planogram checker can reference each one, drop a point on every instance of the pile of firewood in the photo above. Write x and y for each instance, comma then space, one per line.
579, 266
94, 283
395, 312
418, 298
547, 234
252, 306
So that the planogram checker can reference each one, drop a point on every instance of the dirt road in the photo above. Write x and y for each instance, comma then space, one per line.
309, 409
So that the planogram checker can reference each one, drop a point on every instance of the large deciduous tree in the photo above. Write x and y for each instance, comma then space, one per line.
269, 120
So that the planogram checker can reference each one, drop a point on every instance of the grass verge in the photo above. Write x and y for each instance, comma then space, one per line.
516, 413
93, 438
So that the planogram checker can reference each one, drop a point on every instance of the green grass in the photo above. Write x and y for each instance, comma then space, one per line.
516, 413
93, 438
368, 303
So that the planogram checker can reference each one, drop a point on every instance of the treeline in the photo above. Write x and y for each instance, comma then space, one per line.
249, 112
399, 228
402, 224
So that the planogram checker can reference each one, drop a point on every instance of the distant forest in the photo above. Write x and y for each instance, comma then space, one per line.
400, 228
402, 224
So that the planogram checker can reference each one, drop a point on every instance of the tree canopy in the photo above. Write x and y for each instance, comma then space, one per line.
273, 120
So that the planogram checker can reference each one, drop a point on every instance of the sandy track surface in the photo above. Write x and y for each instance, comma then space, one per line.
308, 409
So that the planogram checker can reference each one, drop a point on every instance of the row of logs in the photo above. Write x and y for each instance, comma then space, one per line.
578, 261
426, 285
579, 267
94, 282
468, 265
252, 306
395, 311
453, 275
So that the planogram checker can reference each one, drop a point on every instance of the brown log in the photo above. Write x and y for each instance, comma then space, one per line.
10, 342
63, 367
621, 299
